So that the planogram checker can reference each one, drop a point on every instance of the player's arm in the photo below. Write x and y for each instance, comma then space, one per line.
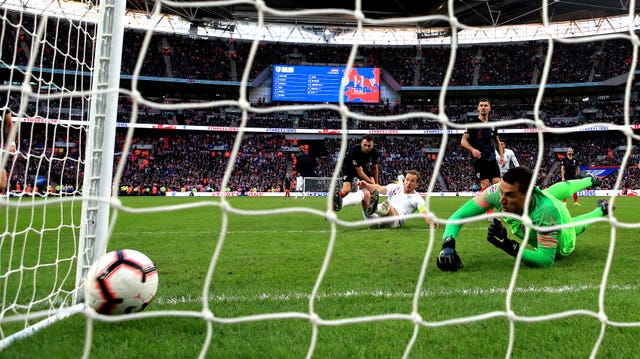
496, 143
514, 159
8, 126
464, 142
373, 186
473, 207
448, 259
7, 123
541, 257
562, 171
364, 176
422, 208
375, 173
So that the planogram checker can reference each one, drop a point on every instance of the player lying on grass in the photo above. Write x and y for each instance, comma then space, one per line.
545, 209
402, 199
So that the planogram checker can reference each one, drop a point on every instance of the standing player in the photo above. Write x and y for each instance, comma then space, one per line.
400, 178
545, 209
569, 171
287, 186
10, 146
300, 185
403, 199
509, 158
483, 143
360, 164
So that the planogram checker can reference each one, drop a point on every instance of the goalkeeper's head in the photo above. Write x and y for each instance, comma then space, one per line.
513, 189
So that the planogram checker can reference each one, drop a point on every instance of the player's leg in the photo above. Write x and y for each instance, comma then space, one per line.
601, 210
353, 198
396, 222
368, 217
346, 177
562, 190
488, 172
575, 200
369, 205
341, 192
489, 175
567, 239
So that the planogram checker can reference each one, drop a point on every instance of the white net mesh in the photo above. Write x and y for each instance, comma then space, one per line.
46, 66
42, 61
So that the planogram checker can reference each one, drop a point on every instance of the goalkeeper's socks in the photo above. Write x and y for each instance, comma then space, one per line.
562, 190
596, 213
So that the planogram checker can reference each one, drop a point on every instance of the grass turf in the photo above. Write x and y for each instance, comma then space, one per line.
367, 300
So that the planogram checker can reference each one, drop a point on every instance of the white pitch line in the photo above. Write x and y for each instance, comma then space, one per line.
364, 229
285, 297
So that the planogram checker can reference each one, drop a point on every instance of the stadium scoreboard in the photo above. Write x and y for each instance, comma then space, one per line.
322, 84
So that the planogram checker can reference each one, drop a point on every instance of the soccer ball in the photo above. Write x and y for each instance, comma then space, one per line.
121, 281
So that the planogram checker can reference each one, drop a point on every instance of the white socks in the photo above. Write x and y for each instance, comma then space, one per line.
352, 198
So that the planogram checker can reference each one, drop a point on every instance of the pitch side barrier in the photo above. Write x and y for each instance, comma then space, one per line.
329, 132
584, 193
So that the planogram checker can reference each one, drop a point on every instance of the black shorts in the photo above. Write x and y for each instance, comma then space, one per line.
486, 169
350, 175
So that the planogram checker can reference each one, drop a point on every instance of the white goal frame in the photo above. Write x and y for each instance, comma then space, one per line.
100, 203
98, 164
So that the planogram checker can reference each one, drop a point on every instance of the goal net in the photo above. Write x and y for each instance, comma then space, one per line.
317, 184
116, 129
55, 206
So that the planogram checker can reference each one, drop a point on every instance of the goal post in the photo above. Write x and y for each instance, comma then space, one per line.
94, 229
63, 166
317, 184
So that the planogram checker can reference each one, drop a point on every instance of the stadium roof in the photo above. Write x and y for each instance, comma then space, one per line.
468, 12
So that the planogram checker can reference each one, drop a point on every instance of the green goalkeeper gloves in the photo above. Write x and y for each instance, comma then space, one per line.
448, 259
497, 235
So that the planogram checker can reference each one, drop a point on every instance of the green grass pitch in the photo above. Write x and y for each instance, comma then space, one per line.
269, 264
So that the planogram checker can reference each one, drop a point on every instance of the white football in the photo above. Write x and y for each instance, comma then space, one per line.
121, 281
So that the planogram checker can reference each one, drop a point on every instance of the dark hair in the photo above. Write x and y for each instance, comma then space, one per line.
520, 176
367, 137
483, 100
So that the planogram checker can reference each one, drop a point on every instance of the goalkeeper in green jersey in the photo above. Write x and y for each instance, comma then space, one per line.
545, 209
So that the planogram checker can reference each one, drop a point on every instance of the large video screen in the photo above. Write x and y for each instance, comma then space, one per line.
322, 84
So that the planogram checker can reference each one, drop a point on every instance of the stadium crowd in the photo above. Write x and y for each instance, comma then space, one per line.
180, 56
193, 161
187, 161
476, 65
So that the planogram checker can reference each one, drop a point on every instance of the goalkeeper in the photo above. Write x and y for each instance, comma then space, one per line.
545, 209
